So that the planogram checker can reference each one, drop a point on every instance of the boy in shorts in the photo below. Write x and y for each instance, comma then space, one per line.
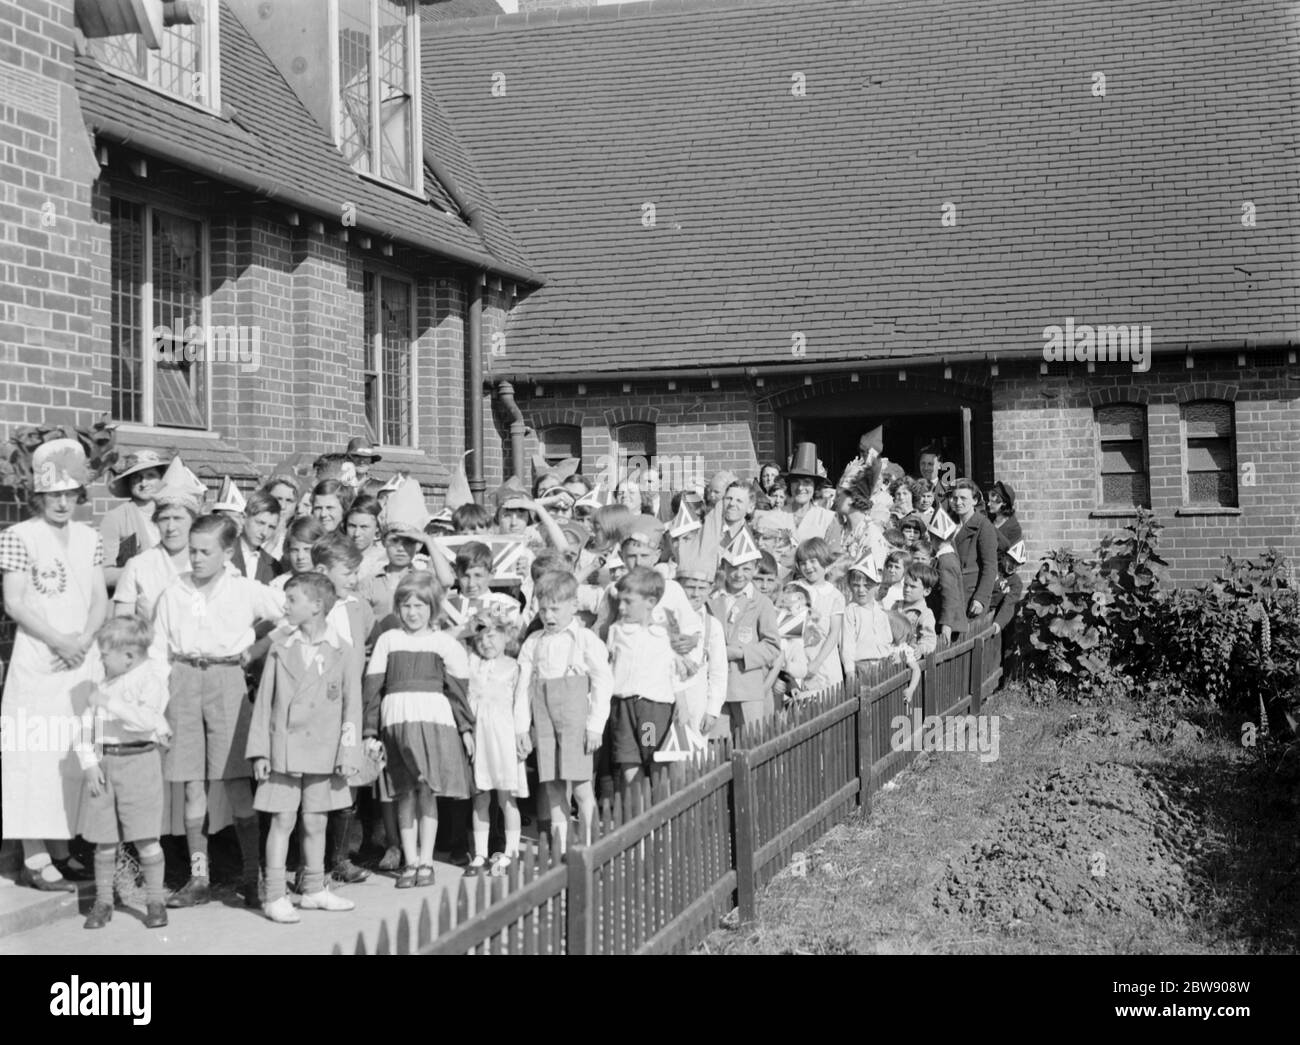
122, 767
565, 670
301, 760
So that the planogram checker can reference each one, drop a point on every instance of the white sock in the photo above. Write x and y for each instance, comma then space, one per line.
512, 842
481, 842
38, 861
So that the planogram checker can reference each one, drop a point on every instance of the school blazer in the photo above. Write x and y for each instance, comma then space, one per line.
753, 627
268, 569
307, 720
976, 545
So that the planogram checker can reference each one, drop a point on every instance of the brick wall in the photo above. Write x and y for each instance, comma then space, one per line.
1045, 444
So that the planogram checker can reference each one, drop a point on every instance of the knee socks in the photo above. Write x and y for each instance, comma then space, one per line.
276, 880
105, 864
153, 876
198, 843
246, 832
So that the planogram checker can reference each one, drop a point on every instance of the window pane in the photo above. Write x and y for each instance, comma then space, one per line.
395, 312
395, 106
370, 373
637, 440
1209, 455
560, 442
1121, 457
127, 236
1124, 490
1121, 421
1208, 419
124, 53
180, 386
1213, 488
174, 65
354, 82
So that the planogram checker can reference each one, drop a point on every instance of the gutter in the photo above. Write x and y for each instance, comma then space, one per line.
251, 181
799, 369
518, 428
474, 388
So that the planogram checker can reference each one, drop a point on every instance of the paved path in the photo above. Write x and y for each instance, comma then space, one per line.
231, 928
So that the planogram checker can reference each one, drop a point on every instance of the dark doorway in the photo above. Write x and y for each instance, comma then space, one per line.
904, 436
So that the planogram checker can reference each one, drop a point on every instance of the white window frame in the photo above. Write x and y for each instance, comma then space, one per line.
416, 188
210, 35
148, 355
1185, 452
377, 347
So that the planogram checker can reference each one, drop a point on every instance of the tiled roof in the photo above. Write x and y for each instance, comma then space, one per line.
821, 214
271, 139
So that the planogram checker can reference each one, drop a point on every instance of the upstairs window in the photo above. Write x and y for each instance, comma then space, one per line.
378, 89
1122, 445
186, 64
1209, 454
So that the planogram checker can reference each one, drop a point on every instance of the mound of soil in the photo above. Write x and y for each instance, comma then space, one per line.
1091, 839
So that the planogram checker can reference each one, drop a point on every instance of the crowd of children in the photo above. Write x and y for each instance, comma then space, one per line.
317, 650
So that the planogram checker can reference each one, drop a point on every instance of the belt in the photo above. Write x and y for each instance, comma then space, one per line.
205, 662
136, 747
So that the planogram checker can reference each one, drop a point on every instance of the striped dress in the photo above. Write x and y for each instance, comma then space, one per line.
415, 700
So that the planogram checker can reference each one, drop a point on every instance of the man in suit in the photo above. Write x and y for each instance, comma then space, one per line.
976, 545
752, 637
261, 516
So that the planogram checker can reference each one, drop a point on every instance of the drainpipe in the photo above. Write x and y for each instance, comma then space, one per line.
474, 387
506, 394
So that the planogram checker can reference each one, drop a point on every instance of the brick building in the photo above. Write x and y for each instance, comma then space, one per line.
241, 187
768, 222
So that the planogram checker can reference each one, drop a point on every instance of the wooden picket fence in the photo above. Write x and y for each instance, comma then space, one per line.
659, 875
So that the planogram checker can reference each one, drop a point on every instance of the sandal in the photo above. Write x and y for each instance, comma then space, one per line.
424, 876
476, 867
500, 865
406, 879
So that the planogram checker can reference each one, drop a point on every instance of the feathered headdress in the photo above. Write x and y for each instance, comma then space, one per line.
97, 442
862, 483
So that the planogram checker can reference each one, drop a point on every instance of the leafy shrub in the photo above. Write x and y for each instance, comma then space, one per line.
1089, 622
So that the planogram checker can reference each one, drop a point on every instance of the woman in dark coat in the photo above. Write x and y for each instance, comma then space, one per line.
976, 545
1009, 587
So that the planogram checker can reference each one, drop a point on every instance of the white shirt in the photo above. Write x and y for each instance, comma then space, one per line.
545, 656
146, 576
642, 661
218, 623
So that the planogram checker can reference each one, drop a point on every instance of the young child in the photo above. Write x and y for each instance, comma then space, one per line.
471, 518
641, 657
891, 578
204, 624
900, 630
303, 741
701, 699
362, 525
416, 699
826, 615
501, 742
791, 668
564, 675
473, 569
919, 581
866, 636
299, 537
337, 557
123, 730
767, 576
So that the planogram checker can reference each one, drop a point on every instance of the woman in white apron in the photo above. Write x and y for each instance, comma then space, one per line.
54, 591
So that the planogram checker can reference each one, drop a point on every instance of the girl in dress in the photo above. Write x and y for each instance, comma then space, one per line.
54, 592
415, 699
502, 723
825, 615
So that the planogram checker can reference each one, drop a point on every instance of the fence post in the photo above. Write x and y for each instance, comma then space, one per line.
866, 742
929, 685
743, 843
977, 674
580, 919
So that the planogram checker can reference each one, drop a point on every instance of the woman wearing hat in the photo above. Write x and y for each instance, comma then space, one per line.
129, 529
177, 503
54, 591
1008, 589
804, 479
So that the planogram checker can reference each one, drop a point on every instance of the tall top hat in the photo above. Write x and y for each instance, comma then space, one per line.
804, 464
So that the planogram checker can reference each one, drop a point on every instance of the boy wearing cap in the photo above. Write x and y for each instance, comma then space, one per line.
749, 625
363, 456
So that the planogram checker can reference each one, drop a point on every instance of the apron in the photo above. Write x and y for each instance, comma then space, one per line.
42, 788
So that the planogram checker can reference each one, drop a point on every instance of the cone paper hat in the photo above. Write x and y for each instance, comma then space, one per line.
867, 565
592, 499
229, 499
405, 507
941, 524
458, 491
1017, 552
742, 549
180, 486
684, 521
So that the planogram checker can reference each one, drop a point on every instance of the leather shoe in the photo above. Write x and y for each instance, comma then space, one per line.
194, 892
37, 881
348, 873
100, 915
155, 916
74, 874
249, 892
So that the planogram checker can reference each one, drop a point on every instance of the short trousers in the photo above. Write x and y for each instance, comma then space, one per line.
209, 713
640, 726
130, 808
560, 729
312, 792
